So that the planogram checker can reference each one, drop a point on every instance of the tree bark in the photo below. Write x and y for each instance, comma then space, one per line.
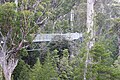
8, 66
7, 75
90, 32
71, 17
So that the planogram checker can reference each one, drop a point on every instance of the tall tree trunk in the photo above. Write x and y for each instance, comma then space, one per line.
8, 68
7, 63
7, 75
90, 31
72, 19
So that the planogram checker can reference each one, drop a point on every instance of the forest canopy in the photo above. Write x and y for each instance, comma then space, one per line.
57, 54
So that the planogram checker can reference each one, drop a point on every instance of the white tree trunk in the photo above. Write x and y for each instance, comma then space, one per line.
7, 75
8, 61
90, 19
90, 31
71, 17
7, 64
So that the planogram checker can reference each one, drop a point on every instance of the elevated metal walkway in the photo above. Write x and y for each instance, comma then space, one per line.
50, 37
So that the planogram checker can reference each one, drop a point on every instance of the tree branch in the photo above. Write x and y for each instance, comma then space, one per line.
41, 21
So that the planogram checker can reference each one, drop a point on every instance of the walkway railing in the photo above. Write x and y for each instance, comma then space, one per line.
49, 37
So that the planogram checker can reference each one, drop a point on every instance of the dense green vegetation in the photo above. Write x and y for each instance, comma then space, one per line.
61, 59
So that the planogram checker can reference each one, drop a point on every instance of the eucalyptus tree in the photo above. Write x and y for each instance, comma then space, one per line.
90, 31
15, 27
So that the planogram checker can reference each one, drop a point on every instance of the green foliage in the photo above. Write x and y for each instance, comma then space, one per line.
59, 21
62, 7
30, 58
110, 44
99, 66
36, 71
23, 52
59, 45
7, 17
116, 69
102, 61
17, 24
65, 70
100, 21
62, 25
49, 69
57, 64
44, 72
99, 53
78, 67
22, 71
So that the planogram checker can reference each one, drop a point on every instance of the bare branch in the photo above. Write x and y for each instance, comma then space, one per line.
41, 21
1, 34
